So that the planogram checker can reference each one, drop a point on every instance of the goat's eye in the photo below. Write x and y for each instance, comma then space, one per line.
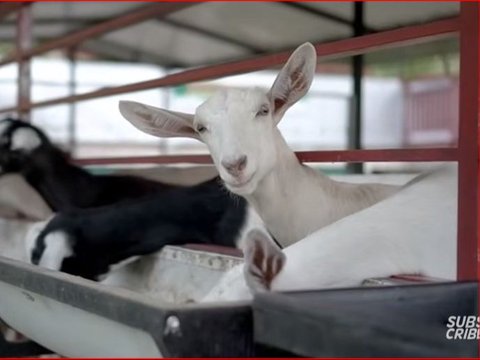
200, 128
264, 110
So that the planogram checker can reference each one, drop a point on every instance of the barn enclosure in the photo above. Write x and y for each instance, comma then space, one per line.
396, 90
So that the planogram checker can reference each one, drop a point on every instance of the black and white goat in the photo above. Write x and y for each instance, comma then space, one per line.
90, 243
26, 150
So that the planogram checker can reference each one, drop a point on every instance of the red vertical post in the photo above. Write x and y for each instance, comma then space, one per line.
467, 246
24, 43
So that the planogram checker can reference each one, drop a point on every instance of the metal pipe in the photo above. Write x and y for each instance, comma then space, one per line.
72, 107
468, 148
24, 44
331, 156
355, 128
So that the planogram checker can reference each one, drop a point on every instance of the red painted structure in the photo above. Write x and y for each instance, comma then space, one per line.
466, 26
431, 112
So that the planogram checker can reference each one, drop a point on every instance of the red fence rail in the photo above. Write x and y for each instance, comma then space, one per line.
440, 154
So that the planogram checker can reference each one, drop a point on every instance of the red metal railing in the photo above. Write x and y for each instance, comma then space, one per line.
440, 154
467, 152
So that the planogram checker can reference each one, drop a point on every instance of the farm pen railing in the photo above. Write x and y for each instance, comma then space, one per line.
466, 153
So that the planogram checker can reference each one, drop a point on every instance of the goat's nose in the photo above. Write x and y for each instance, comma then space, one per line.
235, 166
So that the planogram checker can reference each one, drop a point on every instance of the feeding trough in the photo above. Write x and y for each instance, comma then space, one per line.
78, 318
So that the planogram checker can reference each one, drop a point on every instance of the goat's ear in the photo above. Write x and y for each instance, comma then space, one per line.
263, 261
294, 80
158, 122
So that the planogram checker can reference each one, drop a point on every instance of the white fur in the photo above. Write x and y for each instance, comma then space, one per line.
25, 139
412, 232
57, 248
252, 221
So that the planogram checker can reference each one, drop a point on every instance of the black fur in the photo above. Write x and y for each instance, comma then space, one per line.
65, 186
100, 237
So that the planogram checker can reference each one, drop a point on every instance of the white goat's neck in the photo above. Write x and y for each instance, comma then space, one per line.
295, 200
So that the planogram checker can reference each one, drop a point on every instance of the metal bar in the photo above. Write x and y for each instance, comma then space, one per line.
213, 35
24, 44
355, 128
323, 14
6, 8
119, 22
72, 107
340, 48
467, 251
438, 154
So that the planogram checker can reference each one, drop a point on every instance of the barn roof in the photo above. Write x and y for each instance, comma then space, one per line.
214, 32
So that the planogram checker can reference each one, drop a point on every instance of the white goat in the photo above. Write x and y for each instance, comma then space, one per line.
412, 232
253, 159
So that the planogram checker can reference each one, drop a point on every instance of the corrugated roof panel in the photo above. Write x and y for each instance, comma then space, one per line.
40, 31
393, 14
343, 9
80, 10
267, 26
181, 46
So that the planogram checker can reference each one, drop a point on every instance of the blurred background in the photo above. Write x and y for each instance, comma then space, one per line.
409, 95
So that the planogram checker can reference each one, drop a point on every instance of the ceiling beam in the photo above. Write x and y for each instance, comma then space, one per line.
213, 35
126, 53
326, 15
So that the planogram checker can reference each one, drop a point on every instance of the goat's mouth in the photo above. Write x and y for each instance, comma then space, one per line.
239, 185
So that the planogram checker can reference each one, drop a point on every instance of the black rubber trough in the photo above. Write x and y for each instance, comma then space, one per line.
397, 321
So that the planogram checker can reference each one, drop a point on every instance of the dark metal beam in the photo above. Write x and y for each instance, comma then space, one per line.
323, 14
213, 35
355, 128
126, 53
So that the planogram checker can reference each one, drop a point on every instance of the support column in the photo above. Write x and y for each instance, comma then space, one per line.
24, 43
468, 147
72, 106
355, 128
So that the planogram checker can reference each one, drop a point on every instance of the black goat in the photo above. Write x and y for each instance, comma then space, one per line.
89, 242
25, 149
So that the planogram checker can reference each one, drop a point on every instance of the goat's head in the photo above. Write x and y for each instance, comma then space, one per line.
18, 139
238, 126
